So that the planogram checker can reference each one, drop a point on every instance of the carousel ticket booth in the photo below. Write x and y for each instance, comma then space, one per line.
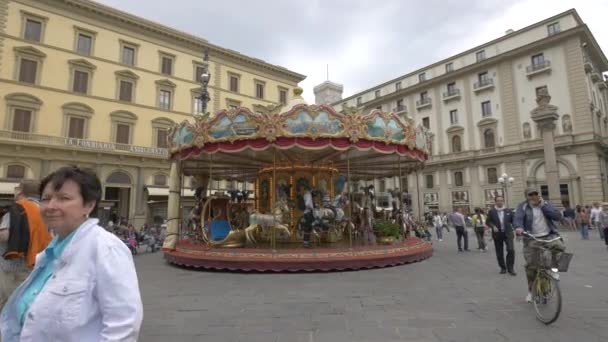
302, 160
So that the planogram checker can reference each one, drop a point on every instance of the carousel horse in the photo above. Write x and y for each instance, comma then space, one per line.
266, 223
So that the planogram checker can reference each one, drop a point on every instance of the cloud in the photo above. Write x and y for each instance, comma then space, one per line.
364, 42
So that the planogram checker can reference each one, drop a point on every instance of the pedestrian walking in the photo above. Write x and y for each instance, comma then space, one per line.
500, 221
603, 218
458, 221
478, 221
438, 224
595, 219
582, 222
569, 217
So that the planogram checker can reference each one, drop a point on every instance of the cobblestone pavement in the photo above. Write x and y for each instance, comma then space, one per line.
449, 297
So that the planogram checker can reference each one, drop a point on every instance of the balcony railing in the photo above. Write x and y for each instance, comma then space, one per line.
423, 102
451, 94
400, 109
538, 66
89, 145
483, 83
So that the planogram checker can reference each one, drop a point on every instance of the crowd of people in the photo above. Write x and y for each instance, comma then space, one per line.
150, 236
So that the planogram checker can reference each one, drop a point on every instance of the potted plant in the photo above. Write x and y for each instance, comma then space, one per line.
387, 232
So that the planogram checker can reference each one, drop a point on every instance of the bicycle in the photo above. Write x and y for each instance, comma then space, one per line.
546, 293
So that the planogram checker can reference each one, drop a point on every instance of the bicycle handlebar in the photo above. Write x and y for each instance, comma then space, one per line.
528, 235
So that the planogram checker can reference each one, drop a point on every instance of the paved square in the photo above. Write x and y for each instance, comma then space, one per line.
449, 297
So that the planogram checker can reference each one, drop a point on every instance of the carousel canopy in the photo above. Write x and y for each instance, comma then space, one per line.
238, 143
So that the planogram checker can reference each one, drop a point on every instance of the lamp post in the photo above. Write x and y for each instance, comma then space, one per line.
506, 183
205, 77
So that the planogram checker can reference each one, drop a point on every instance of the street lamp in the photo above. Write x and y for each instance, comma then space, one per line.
506, 183
205, 77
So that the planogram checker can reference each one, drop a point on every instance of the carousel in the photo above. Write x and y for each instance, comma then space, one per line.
306, 214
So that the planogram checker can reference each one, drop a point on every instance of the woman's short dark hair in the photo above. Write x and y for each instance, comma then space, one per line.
87, 180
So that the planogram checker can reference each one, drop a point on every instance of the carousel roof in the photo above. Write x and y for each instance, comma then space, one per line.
238, 143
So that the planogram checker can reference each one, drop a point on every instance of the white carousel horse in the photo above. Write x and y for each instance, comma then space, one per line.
265, 223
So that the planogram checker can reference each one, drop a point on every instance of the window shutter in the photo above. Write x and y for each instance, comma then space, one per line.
122, 133
27, 73
22, 120
81, 82
126, 91
76, 129
161, 138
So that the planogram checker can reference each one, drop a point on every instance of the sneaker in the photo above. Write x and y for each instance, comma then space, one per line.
529, 298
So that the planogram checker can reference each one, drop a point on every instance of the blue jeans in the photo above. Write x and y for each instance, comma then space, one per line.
439, 230
585, 231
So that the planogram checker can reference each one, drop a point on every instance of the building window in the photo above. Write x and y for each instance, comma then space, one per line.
128, 55
426, 122
492, 174
161, 138
81, 82
22, 120
422, 77
164, 99
28, 71
234, 83
123, 133
397, 86
126, 91
429, 182
160, 180
483, 78
84, 42
379, 107
454, 117
456, 144
377, 93
166, 64
488, 138
76, 127
486, 109
452, 89
538, 60
259, 90
197, 101
553, 28
359, 100
458, 179
449, 67
382, 185
22, 111
480, 55
542, 90
424, 96
32, 26
400, 106
283, 96
15, 172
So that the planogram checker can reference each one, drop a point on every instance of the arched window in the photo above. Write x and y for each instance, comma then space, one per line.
488, 138
15, 172
456, 144
160, 179
458, 179
119, 177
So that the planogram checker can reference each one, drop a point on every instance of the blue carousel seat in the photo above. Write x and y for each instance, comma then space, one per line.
219, 229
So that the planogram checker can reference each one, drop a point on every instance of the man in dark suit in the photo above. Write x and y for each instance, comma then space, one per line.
500, 219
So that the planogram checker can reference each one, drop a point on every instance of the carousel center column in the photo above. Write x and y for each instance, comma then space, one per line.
173, 207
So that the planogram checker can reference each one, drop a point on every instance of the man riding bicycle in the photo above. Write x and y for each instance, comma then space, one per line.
536, 217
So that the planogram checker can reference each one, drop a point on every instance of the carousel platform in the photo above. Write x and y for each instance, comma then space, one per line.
298, 259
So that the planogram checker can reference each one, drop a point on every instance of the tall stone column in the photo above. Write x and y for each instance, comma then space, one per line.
545, 116
173, 206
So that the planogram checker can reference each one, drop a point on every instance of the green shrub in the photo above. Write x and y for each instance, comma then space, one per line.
384, 228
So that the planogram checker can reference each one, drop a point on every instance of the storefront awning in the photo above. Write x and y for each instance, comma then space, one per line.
155, 191
7, 188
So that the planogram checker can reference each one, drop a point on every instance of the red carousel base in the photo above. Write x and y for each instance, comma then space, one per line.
299, 259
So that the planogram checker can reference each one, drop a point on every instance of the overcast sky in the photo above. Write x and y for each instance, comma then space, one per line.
365, 42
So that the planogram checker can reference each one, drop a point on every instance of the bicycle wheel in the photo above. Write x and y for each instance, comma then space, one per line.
547, 298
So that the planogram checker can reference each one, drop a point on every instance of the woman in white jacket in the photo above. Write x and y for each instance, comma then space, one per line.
84, 286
